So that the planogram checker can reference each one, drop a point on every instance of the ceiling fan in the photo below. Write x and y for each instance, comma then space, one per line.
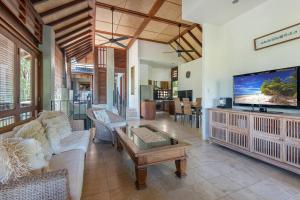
114, 40
179, 49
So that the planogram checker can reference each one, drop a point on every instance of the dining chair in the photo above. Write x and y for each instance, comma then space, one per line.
185, 100
178, 108
198, 102
187, 111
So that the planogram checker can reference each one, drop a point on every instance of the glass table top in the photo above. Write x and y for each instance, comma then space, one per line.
148, 137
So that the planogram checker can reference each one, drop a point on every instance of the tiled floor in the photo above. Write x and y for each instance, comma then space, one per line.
213, 173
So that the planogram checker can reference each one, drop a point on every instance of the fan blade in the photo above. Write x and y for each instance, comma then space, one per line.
105, 43
120, 44
121, 38
103, 37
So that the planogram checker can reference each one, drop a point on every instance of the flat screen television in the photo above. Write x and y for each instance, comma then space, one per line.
275, 88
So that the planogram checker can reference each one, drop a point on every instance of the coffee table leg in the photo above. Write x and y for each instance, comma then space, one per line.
141, 175
180, 168
119, 145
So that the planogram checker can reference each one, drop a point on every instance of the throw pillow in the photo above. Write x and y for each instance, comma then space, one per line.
18, 157
49, 114
13, 163
34, 129
33, 153
62, 125
53, 138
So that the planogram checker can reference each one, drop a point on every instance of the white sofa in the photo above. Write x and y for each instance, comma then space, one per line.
71, 158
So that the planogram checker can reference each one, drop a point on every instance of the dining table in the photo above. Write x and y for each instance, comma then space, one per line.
198, 109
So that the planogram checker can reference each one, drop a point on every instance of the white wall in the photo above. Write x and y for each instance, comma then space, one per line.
195, 81
160, 74
152, 51
133, 60
110, 77
228, 49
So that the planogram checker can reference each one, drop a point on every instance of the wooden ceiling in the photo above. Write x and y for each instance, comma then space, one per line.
73, 24
151, 20
78, 24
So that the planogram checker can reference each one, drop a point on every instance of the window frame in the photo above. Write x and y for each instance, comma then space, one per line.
35, 84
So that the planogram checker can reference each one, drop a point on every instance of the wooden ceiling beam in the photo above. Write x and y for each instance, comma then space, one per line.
79, 48
35, 2
109, 33
129, 36
78, 58
139, 14
68, 17
181, 47
82, 52
60, 8
82, 46
73, 32
73, 24
79, 52
190, 46
74, 44
156, 6
195, 38
183, 33
181, 54
76, 37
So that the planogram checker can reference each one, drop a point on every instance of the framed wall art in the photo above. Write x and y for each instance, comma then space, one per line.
278, 37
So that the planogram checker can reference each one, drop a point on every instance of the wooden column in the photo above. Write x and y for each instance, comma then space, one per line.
96, 78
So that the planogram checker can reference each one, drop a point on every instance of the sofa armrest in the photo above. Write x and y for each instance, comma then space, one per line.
51, 185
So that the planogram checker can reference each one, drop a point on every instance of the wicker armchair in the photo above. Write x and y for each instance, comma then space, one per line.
46, 186
105, 131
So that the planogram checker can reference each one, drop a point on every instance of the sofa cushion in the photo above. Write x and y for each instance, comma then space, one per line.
77, 140
73, 161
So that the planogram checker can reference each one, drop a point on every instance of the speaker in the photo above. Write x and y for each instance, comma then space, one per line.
225, 102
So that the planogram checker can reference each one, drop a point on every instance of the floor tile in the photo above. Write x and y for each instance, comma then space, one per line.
213, 173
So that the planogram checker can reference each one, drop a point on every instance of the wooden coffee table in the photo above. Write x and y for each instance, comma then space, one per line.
146, 145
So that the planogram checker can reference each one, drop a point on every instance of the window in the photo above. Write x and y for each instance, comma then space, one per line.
25, 78
7, 66
18, 88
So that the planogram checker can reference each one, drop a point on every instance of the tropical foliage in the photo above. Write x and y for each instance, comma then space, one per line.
25, 78
278, 87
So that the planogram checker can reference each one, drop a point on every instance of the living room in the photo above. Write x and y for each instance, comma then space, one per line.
234, 132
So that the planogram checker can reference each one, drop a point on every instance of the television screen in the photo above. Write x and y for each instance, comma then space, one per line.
269, 88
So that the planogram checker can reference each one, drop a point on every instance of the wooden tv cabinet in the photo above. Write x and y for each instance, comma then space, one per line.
272, 138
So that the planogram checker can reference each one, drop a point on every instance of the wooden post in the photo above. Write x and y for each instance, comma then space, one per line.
141, 175
180, 167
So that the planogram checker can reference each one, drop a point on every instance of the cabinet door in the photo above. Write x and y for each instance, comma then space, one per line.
266, 136
292, 142
218, 125
218, 118
238, 130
